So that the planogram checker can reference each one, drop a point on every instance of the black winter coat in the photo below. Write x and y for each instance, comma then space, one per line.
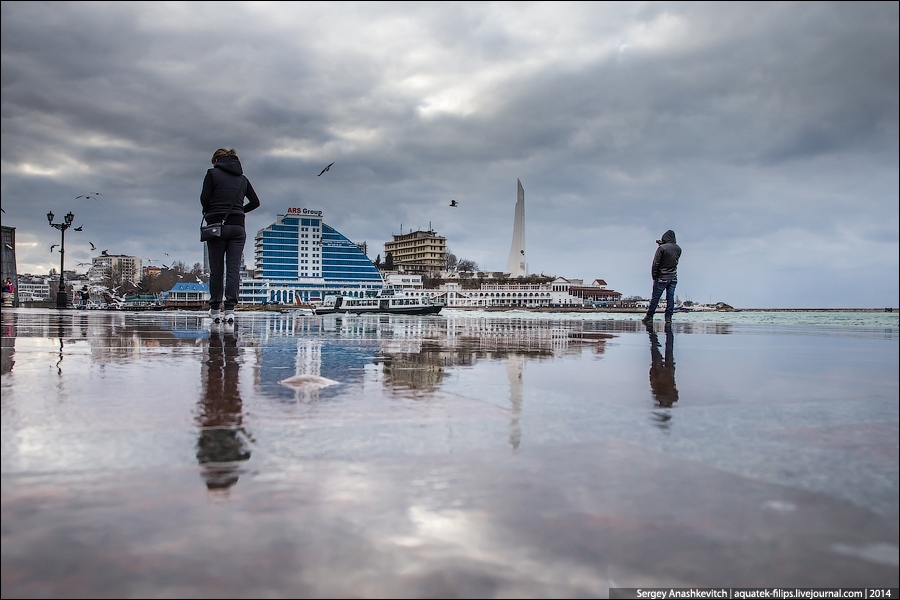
665, 261
225, 187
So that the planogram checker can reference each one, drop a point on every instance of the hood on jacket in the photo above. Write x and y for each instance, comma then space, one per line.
667, 238
230, 164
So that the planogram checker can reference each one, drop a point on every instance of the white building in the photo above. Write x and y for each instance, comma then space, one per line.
403, 281
33, 291
124, 267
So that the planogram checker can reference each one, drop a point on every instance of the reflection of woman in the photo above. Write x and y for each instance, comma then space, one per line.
662, 370
222, 444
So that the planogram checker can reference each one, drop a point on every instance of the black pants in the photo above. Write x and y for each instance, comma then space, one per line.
225, 251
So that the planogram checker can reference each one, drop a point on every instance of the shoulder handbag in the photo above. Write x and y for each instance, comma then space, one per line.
214, 230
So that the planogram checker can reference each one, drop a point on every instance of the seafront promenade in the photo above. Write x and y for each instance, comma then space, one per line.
465, 454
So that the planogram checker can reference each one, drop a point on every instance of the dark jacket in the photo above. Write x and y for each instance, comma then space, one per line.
665, 261
225, 187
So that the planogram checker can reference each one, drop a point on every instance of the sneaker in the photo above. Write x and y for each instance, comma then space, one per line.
229, 316
647, 320
215, 315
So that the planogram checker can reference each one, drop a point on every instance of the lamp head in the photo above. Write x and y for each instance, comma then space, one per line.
69, 218
50, 217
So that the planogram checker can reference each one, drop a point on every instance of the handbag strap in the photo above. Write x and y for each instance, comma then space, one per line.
233, 204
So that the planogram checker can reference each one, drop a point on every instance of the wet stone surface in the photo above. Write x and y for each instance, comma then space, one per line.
458, 455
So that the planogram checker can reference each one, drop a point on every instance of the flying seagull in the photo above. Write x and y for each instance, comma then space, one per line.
92, 196
325, 169
104, 252
93, 247
79, 228
453, 203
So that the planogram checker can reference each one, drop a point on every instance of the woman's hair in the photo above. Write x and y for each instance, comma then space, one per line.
222, 152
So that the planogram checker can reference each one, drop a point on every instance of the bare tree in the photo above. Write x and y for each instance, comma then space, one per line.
450, 261
466, 266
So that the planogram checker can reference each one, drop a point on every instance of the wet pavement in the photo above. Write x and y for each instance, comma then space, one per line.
458, 455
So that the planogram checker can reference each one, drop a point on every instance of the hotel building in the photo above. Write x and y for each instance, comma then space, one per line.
120, 267
300, 259
418, 252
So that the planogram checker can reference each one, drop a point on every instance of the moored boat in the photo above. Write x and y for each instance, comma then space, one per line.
386, 301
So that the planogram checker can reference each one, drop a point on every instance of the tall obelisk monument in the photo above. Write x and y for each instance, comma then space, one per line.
515, 265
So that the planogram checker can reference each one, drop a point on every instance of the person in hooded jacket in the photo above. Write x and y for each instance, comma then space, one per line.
665, 275
222, 197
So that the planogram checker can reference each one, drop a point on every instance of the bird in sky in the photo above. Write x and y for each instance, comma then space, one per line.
53, 246
93, 247
83, 264
104, 252
79, 228
325, 169
453, 203
91, 196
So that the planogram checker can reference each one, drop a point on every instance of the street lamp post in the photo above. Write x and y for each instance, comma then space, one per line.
62, 299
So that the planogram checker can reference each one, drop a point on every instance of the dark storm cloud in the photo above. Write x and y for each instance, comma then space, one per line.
763, 129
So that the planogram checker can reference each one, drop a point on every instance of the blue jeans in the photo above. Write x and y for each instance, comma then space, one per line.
225, 266
667, 285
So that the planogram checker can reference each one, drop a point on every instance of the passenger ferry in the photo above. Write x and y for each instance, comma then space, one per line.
386, 301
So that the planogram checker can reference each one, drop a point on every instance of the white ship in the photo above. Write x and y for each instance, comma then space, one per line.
386, 301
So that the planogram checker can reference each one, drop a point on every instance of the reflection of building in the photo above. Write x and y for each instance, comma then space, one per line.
418, 252
300, 258
7, 343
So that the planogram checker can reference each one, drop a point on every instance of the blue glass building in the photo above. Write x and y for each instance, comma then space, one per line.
300, 259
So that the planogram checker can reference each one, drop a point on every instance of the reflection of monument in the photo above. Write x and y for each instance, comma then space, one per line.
515, 364
515, 264
221, 444
307, 380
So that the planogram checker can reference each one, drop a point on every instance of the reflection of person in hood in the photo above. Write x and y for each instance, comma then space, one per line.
219, 413
222, 197
665, 275
662, 370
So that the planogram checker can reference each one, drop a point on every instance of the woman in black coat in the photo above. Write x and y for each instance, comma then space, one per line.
224, 190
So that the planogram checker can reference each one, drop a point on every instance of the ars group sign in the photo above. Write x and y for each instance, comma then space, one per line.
308, 212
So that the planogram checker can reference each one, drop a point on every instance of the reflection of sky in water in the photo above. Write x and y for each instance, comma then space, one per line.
543, 448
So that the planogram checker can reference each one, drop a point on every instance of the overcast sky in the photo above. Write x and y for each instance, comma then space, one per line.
764, 134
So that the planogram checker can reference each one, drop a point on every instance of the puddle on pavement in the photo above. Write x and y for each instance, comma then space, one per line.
159, 454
